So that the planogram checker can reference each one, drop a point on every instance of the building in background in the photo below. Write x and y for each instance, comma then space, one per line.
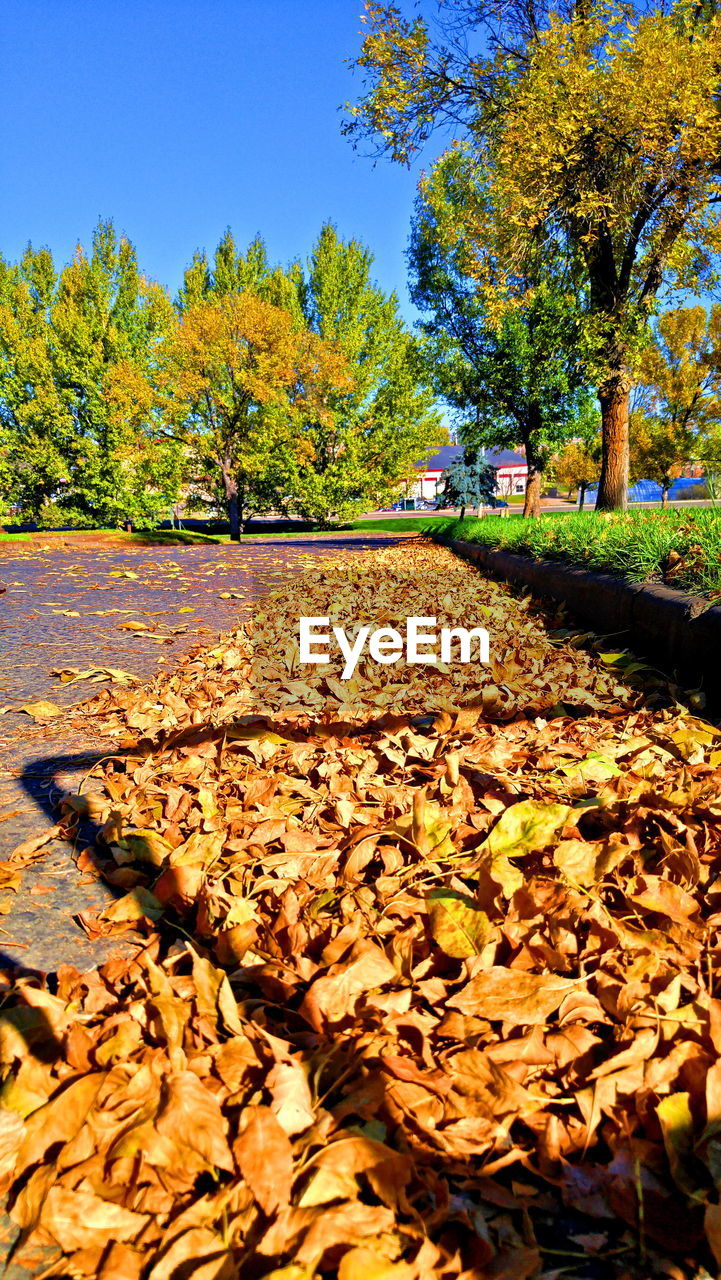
511, 472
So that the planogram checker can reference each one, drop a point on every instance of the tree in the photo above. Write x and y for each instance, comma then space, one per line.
678, 398
233, 272
36, 424
374, 431
73, 452
710, 456
599, 124
578, 463
659, 449
680, 370
109, 324
237, 378
515, 378
577, 467
373, 426
469, 482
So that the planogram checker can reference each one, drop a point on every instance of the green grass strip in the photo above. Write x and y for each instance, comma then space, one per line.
681, 548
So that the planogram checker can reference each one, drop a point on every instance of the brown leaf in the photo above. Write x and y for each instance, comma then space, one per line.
77, 1219
265, 1159
191, 1117
60, 1120
510, 995
292, 1103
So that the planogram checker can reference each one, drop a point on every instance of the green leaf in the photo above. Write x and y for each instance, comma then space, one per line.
523, 828
596, 767
526, 827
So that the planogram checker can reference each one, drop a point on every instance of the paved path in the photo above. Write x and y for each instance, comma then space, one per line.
69, 605
63, 607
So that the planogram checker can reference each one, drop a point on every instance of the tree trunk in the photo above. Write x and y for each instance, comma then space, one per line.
532, 499
463, 513
614, 399
234, 517
581, 494
531, 436
230, 485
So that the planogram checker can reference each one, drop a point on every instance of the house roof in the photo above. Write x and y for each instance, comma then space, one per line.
505, 458
446, 455
449, 453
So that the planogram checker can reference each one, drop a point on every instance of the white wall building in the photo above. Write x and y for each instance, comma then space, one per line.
511, 471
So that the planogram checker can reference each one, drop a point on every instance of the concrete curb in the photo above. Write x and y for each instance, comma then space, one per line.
678, 632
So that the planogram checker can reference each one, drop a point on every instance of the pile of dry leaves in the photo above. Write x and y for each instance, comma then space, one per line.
426, 984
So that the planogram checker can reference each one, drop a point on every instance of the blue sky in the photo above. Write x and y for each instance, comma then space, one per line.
178, 119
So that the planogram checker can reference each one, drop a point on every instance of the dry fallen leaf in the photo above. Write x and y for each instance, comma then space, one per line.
427, 964
42, 709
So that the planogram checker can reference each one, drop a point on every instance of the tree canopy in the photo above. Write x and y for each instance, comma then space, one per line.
298, 389
597, 126
68, 341
374, 430
237, 373
677, 412
514, 379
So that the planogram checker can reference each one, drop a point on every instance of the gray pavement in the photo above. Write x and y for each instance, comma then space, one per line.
74, 606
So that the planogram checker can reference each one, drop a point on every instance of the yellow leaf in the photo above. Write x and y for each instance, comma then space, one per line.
458, 925
365, 1264
674, 1116
133, 906
525, 828
42, 709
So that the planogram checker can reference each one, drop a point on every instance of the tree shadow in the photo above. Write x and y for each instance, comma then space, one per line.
41, 782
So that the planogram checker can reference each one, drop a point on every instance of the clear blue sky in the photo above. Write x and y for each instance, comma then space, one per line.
178, 118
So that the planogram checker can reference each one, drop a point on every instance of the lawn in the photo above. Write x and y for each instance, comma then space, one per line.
420, 523
680, 548
189, 537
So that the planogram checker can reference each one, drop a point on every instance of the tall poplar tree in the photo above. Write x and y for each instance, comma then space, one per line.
108, 325
78, 446
36, 422
372, 433
231, 272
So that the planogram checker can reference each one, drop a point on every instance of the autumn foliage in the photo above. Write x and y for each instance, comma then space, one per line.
238, 375
425, 985
595, 128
